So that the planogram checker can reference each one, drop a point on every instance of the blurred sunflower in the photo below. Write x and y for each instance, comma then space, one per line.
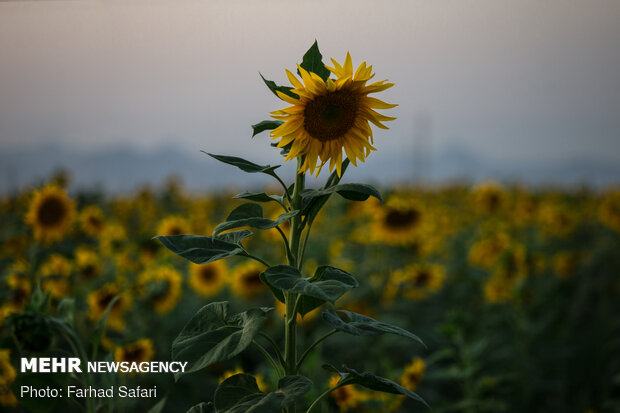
19, 288
208, 279
413, 374
557, 219
87, 263
330, 116
565, 264
347, 397
138, 351
7, 376
260, 380
499, 288
398, 222
488, 197
609, 210
113, 238
50, 214
488, 250
246, 280
161, 286
415, 281
98, 301
55, 273
92, 220
173, 225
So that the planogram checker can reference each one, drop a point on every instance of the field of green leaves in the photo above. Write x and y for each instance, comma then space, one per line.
515, 293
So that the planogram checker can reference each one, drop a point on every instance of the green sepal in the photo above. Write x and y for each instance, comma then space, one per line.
361, 325
251, 215
201, 250
372, 382
313, 62
287, 90
212, 336
265, 125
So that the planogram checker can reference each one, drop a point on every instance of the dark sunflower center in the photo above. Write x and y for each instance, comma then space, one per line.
136, 354
105, 300
414, 377
252, 279
422, 279
398, 219
51, 212
95, 222
89, 271
330, 116
207, 274
175, 230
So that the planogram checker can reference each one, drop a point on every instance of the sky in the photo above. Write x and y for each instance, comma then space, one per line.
508, 80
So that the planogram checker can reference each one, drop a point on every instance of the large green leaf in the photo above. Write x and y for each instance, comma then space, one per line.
235, 237
313, 62
287, 90
327, 276
211, 335
328, 284
372, 382
245, 165
265, 125
201, 250
294, 388
233, 389
251, 215
361, 325
240, 394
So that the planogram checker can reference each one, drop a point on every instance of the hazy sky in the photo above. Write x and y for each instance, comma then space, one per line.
532, 80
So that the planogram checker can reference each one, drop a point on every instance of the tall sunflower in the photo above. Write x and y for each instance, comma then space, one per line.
50, 214
330, 116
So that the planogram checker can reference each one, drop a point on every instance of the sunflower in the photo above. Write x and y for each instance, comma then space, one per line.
92, 220
413, 374
173, 225
400, 221
609, 210
113, 238
330, 116
138, 351
162, 287
19, 287
207, 279
98, 301
347, 397
488, 197
87, 263
7, 376
55, 272
416, 281
246, 280
50, 214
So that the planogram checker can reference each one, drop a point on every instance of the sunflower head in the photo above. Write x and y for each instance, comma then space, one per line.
412, 376
207, 279
139, 351
50, 214
246, 280
329, 115
162, 287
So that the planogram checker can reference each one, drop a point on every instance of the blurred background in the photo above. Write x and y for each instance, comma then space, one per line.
497, 241
123, 93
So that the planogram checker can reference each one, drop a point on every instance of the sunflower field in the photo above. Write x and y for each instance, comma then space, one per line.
514, 292
455, 298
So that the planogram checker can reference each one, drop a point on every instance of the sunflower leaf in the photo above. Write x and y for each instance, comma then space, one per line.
251, 215
313, 62
211, 336
287, 90
372, 382
312, 205
259, 197
202, 408
245, 165
361, 325
235, 236
352, 192
233, 389
293, 388
328, 284
201, 250
265, 125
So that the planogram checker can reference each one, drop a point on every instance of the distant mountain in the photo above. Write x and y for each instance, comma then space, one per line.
124, 169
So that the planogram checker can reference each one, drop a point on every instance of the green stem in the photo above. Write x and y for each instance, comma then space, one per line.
303, 246
312, 346
286, 244
268, 357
